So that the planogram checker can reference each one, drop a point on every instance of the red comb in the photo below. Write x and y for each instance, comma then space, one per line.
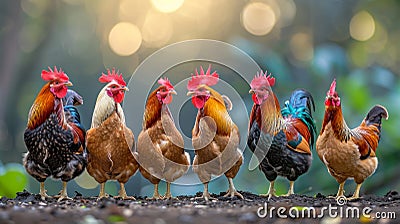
54, 74
165, 82
206, 78
112, 75
261, 79
332, 89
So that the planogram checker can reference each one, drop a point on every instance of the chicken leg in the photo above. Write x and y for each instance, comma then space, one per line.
168, 194
291, 189
206, 195
156, 194
232, 190
356, 193
43, 194
122, 193
340, 192
102, 193
271, 191
63, 193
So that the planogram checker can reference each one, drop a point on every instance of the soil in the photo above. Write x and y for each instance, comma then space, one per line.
28, 208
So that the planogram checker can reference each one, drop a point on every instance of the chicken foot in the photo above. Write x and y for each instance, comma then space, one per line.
232, 190
356, 194
156, 194
63, 193
271, 191
206, 195
43, 191
340, 192
168, 194
122, 193
291, 189
102, 193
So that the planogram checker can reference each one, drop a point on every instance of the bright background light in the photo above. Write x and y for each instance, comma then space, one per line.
258, 18
362, 26
125, 38
167, 6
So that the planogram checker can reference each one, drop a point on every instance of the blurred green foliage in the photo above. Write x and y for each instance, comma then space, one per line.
13, 179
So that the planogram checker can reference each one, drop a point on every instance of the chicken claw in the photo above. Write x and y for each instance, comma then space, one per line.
43, 191
206, 195
168, 194
122, 193
291, 189
271, 191
63, 193
156, 194
232, 191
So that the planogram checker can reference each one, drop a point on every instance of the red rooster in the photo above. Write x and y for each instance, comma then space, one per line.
281, 139
215, 137
54, 135
349, 153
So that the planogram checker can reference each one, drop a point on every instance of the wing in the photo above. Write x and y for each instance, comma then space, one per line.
149, 153
366, 138
297, 135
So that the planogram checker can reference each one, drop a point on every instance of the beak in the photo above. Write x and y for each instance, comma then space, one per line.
125, 88
189, 93
251, 91
173, 92
68, 83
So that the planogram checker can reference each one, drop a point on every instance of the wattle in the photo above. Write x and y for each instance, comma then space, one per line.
60, 92
198, 102
119, 97
255, 99
167, 99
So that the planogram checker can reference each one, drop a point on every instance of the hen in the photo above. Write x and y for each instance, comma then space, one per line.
109, 142
215, 137
281, 140
349, 153
160, 151
54, 136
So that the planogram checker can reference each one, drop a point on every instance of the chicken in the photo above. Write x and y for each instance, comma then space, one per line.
54, 136
110, 143
215, 137
160, 151
349, 153
281, 140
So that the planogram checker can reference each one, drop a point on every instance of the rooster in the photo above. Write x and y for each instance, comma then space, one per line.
55, 137
349, 153
281, 139
215, 137
109, 142
160, 151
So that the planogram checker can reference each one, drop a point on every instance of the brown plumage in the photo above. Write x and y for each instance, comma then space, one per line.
160, 151
110, 143
349, 153
215, 137
54, 136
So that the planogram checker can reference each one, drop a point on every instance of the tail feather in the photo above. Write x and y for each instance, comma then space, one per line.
375, 116
301, 105
72, 115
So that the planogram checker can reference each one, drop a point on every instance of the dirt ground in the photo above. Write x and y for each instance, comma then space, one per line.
28, 208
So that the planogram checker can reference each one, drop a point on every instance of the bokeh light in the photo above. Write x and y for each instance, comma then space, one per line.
258, 18
362, 26
167, 6
301, 46
125, 38
157, 29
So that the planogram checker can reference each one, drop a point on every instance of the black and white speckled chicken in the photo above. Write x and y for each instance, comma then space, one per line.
54, 136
